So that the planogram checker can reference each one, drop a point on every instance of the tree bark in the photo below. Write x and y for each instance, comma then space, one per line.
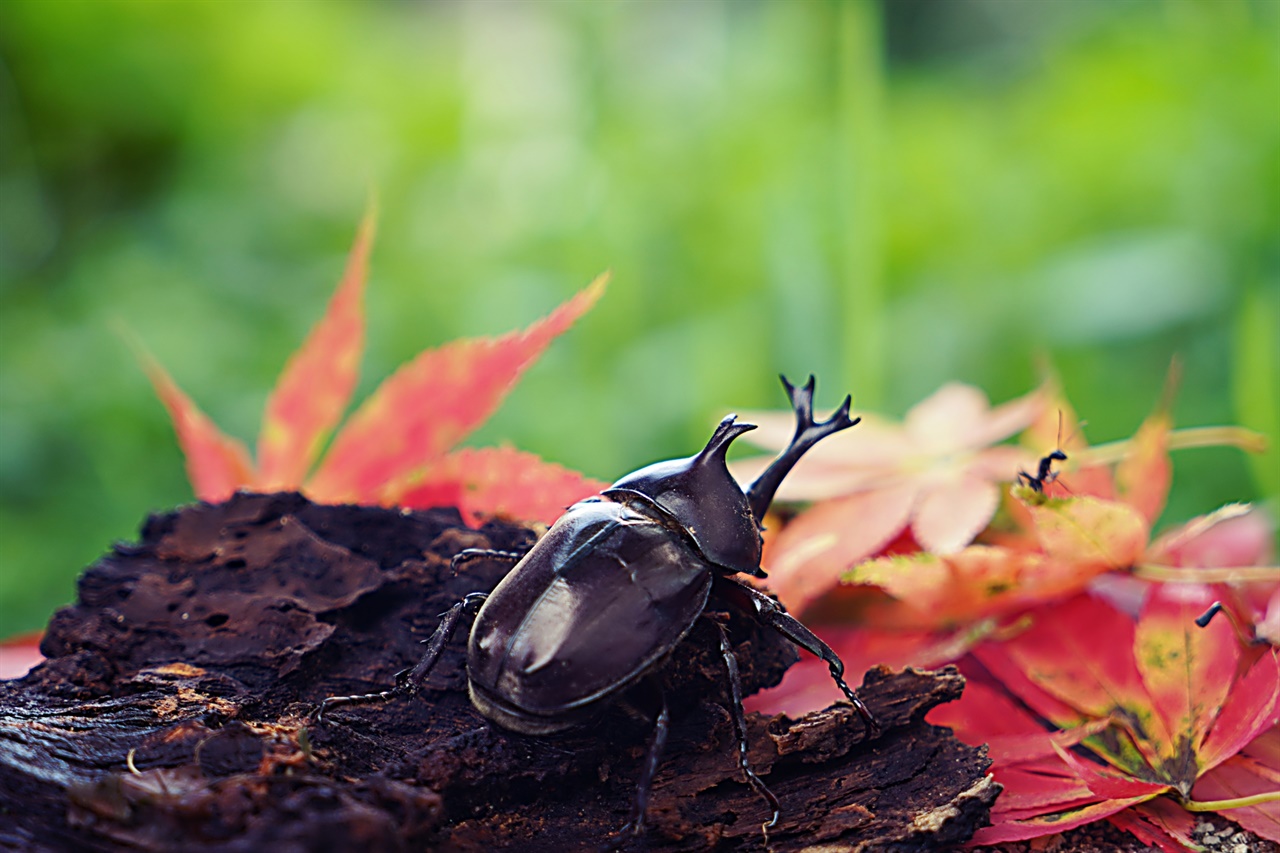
173, 712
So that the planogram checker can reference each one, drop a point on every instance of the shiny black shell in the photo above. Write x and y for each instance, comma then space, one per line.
620, 579
613, 586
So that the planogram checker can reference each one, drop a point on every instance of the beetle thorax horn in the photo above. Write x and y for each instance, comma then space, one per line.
701, 494
728, 429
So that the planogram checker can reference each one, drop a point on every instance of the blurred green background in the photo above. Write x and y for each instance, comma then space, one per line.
890, 196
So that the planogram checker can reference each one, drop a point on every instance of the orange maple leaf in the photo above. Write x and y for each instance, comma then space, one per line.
398, 448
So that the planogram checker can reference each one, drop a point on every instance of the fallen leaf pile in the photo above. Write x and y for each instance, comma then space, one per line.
1100, 695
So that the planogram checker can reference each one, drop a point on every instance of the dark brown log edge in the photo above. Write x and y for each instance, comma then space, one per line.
172, 714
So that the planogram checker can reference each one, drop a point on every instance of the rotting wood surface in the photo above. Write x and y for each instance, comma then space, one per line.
172, 713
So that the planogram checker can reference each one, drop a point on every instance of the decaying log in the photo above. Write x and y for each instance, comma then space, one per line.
172, 712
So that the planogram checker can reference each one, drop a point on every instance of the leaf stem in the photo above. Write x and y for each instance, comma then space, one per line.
1179, 439
1215, 574
1236, 803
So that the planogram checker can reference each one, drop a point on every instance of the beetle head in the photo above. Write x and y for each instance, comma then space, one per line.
703, 496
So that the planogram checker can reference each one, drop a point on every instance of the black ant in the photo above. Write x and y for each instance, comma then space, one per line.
1045, 473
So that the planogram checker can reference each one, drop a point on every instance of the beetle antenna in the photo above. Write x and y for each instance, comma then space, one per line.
808, 433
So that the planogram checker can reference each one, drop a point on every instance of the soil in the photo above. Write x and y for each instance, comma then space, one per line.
174, 711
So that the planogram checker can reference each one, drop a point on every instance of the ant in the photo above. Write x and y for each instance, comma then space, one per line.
1045, 473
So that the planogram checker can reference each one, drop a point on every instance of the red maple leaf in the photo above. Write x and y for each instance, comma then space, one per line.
1153, 718
398, 448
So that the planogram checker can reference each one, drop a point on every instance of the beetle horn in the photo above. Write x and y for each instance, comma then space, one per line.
808, 433
729, 429
702, 496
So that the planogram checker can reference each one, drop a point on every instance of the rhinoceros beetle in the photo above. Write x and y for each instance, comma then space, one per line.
612, 589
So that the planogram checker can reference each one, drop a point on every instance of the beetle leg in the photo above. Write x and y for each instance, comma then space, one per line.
808, 433
634, 827
409, 680
466, 555
772, 614
740, 724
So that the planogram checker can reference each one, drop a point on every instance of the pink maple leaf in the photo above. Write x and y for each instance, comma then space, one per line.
937, 473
